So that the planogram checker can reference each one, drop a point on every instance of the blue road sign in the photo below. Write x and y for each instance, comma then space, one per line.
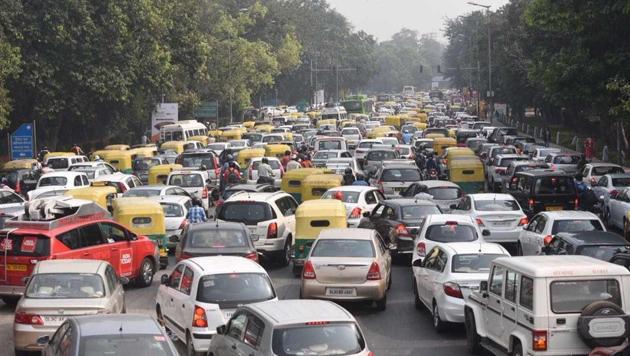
22, 142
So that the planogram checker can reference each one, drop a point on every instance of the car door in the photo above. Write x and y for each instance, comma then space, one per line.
93, 246
167, 300
384, 257
250, 344
183, 303
385, 223
509, 306
493, 316
619, 206
425, 286
526, 237
370, 201
233, 335
120, 248
434, 275
538, 234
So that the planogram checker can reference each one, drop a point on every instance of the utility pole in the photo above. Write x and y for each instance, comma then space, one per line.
336, 69
490, 92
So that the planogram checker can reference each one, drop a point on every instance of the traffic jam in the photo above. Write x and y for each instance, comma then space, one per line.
518, 247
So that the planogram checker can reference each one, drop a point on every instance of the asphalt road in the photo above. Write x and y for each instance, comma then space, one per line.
400, 330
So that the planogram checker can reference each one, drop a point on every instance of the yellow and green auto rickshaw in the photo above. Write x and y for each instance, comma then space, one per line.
249, 124
467, 172
379, 131
452, 152
263, 127
395, 121
276, 150
147, 151
143, 216
203, 139
315, 185
441, 143
158, 174
19, 164
323, 122
101, 193
121, 160
292, 180
311, 217
117, 147
244, 156
177, 146
234, 134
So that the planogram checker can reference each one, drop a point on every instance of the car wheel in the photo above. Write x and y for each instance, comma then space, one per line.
517, 350
438, 324
145, 278
389, 282
190, 348
472, 337
284, 257
591, 312
381, 304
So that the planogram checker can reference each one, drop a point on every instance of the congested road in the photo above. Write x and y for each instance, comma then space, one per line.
400, 330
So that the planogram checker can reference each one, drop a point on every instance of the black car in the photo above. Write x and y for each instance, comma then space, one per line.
538, 191
198, 158
509, 181
216, 238
602, 245
398, 221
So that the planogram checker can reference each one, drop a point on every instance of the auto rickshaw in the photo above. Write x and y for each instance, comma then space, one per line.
20, 175
148, 151
320, 123
143, 216
452, 152
158, 174
378, 132
467, 172
177, 146
315, 185
19, 164
101, 193
395, 121
419, 125
440, 143
117, 147
311, 217
244, 156
292, 180
276, 150
235, 134
203, 139
121, 160
266, 128
215, 133
249, 124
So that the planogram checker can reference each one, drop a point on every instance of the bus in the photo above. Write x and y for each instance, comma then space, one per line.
358, 104
409, 90
333, 111
182, 131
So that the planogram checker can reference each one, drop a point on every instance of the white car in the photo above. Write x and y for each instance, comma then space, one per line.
62, 180
175, 212
330, 143
194, 182
122, 180
202, 293
448, 275
218, 147
541, 153
11, 203
548, 223
92, 164
499, 213
61, 163
593, 171
270, 218
445, 228
321, 157
609, 183
352, 136
358, 199
615, 209
148, 191
239, 143
252, 170
364, 147
497, 169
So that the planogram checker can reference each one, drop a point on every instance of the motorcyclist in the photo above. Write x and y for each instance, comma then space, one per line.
42, 153
265, 172
431, 163
586, 195
421, 160
348, 176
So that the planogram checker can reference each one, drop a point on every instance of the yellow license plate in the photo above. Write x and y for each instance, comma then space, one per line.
17, 268
553, 208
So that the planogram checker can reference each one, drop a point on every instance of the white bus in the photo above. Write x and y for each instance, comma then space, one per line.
182, 130
332, 111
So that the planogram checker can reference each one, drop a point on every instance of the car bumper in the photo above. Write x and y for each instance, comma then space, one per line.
354, 222
451, 309
402, 245
12, 291
25, 336
269, 245
170, 233
201, 339
370, 290
503, 235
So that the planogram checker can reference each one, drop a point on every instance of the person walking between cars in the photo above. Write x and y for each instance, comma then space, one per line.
265, 172
286, 159
196, 214
232, 175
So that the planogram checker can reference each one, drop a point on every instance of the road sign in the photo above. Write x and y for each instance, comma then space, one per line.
207, 110
22, 142
164, 113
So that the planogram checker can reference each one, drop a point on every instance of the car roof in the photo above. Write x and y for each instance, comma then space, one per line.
561, 266
593, 237
67, 174
153, 187
400, 166
603, 164
511, 155
255, 196
70, 266
217, 224
570, 214
253, 187
346, 233
491, 196
293, 311
352, 188
114, 324
442, 218
459, 248
178, 199
224, 264
544, 173
438, 183
408, 202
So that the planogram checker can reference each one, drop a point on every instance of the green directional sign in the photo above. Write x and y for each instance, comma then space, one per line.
207, 110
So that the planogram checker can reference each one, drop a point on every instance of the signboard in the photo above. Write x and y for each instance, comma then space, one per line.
207, 110
318, 98
164, 113
22, 142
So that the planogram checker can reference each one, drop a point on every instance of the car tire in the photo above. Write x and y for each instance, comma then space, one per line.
381, 304
604, 309
473, 341
190, 347
517, 350
389, 282
284, 256
438, 324
147, 270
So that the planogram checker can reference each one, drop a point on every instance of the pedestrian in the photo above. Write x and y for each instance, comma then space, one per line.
196, 214
605, 153
306, 162
589, 148
286, 159
77, 150
293, 164
547, 136
144, 139
265, 172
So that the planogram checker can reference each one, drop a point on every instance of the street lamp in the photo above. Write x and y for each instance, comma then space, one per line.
490, 92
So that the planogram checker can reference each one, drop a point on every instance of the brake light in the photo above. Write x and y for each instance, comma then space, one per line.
531, 203
199, 318
370, 353
272, 231
28, 319
401, 230
204, 193
184, 224
553, 167
311, 323
121, 187
252, 256
547, 239
576, 202
452, 289
374, 274
523, 221
479, 222
308, 272
539, 340
356, 213
18, 187
421, 249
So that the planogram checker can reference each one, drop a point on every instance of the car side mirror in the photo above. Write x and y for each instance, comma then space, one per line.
43, 341
483, 286
221, 330
453, 206
485, 232
173, 239
164, 279
123, 280
417, 263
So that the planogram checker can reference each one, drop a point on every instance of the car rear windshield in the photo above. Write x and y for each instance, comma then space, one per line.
7, 197
554, 185
506, 161
250, 213
350, 132
604, 253
367, 144
272, 138
346, 197
172, 210
217, 146
89, 172
25, 245
58, 163
403, 150
52, 181
329, 145
401, 175
574, 296
325, 155
380, 155
566, 159
186, 180
125, 344
142, 193
621, 182
198, 161
272, 162
343, 248
503, 151
576, 226
496, 205
144, 164
65, 286
451, 233
473, 263
600, 171
216, 238
327, 339
231, 289
415, 212
445, 193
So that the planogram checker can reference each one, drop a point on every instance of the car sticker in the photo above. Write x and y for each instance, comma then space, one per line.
29, 244
6, 244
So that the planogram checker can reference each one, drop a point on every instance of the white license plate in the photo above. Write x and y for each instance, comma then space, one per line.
341, 292
228, 314
54, 319
502, 223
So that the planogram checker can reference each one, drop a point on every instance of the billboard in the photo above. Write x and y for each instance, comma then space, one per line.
163, 114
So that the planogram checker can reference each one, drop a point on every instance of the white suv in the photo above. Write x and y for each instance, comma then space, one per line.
549, 305
270, 217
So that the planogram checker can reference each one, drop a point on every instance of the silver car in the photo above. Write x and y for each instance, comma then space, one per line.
444, 193
321, 157
395, 178
567, 162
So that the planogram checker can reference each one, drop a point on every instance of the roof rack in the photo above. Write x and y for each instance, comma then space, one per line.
52, 213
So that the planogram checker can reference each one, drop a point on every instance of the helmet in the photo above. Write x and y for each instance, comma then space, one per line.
348, 171
265, 160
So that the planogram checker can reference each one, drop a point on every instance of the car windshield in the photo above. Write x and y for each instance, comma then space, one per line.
573, 296
52, 181
600, 171
350, 132
554, 185
142, 192
445, 193
216, 238
401, 175
621, 182
346, 197
329, 145
7, 197
419, 211
125, 344
473, 263
343, 248
272, 138
404, 150
186, 180
57, 163
451, 232
573, 159
503, 151
380, 155
576, 226
325, 155
65, 286
275, 164
604, 252
250, 213
318, 339
496, 205
367, 144
232, 289
89, 172
198, 161
172, 210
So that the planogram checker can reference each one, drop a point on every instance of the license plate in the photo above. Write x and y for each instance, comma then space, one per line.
341, 292
54, 319
17, 268
228, 315
502, 223
553, 208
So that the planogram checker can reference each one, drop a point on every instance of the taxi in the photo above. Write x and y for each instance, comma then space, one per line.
86, 232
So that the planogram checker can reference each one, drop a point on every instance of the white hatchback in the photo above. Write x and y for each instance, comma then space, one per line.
358, 199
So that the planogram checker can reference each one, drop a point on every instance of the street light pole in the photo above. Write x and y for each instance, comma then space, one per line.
490, 92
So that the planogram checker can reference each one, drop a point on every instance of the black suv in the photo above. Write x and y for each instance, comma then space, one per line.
538, 191
602, 245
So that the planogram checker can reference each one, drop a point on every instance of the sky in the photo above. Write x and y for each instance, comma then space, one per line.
383, 18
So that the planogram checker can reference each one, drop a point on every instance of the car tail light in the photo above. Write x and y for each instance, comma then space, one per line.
272, 231
547, 240
199, 318
531, 203
313, 323
28, 319
401, 230
185, 256
576, 202
250, 173
539, 340
204, 193
374, 274
356, 213
308, 272
523, 221
184, 224
121, 187
18, 187
479, 222
421, 249
370, 353
252, 256
452, 289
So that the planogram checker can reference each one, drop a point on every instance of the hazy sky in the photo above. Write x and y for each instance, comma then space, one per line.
383, 18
